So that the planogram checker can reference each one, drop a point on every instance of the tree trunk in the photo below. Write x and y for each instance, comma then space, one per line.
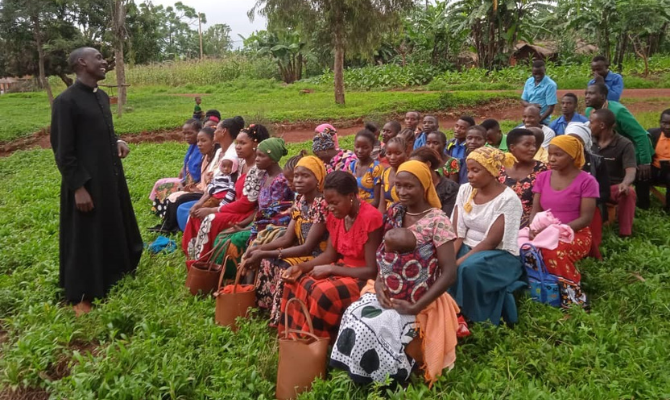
37, 33
338, 67
299, 66
118, 23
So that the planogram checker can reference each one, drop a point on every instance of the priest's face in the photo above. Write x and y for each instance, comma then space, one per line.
93, 64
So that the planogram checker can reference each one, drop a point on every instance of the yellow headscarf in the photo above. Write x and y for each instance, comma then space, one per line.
315, 165
492, 160
572, 146
422, 173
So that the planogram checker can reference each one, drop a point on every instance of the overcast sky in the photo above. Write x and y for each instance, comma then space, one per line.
230, 12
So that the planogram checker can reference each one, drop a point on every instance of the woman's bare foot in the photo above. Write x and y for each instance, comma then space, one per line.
82, 308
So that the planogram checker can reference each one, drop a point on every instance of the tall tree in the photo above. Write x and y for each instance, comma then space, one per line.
217, 40
354, 25
119, 30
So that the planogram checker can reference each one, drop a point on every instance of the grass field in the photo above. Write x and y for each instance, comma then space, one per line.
155, 108
152, 340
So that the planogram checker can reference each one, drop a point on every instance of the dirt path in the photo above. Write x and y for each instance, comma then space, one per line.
300, 132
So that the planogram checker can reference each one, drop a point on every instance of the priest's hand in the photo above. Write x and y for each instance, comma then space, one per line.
83, 200
124, 150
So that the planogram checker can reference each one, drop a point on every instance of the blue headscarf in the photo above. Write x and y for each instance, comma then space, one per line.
192, 163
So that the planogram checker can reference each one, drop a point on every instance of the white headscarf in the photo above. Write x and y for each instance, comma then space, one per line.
581, 130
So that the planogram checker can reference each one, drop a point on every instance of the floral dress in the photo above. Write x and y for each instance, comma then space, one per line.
524, 189
341, 161
371, 342
270, 287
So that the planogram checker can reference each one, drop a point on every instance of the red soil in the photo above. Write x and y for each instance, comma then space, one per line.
302, 131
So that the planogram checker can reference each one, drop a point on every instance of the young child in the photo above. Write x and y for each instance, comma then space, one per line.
197, 111
222, 186
389, 131
399, 240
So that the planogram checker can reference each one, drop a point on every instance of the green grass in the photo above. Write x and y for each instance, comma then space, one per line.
151, 339
156, 108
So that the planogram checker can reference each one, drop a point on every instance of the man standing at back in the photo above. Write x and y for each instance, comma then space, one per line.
99, 238
626, 125
600, 68
540, 91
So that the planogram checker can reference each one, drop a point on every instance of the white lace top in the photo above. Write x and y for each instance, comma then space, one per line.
474, 226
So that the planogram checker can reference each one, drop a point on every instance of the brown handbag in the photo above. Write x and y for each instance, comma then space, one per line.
300, 360
203, 276
231, 302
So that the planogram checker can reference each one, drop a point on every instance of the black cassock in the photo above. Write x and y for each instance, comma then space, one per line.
96, 248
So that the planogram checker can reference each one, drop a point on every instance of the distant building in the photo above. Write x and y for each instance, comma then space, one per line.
547, 51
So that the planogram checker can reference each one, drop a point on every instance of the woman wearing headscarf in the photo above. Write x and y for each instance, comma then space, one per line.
596, 166
487, 217
325, 146
275, 196
408, 301
305, 237
330, 282
571, 195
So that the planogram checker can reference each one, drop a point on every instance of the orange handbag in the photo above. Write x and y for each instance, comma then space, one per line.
301, 360
233, 301
203, 276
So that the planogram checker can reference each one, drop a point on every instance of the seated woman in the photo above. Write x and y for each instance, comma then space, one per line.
416, 264
487, 217
395, 154
521, 176
571, 195
450, 166
206, 223
188, 176
447, 190
325, 146
275, 197
304, 239
210, 164
367, 171
596, 167
334, 279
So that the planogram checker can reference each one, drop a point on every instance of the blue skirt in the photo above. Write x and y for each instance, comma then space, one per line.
485, 285
182, 214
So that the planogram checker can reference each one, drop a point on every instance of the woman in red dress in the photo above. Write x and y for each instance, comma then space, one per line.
334, 279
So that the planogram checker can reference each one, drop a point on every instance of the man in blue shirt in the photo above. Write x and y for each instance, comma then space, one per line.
602, 74
430, 124
456, 146
540, 91
568, 106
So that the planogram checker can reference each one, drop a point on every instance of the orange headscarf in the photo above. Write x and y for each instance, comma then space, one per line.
422, 173
572, 146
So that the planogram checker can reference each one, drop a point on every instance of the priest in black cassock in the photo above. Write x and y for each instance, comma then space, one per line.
99, 238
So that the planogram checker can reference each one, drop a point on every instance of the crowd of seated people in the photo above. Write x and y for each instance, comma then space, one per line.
412, 237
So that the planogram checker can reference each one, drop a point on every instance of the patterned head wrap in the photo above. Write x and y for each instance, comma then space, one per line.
584, 132
492, 160
423, 174
274, 148
315, 165
329, 129
572, 146
322, 141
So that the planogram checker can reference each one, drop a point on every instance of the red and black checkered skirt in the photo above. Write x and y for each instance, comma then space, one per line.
326, 300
